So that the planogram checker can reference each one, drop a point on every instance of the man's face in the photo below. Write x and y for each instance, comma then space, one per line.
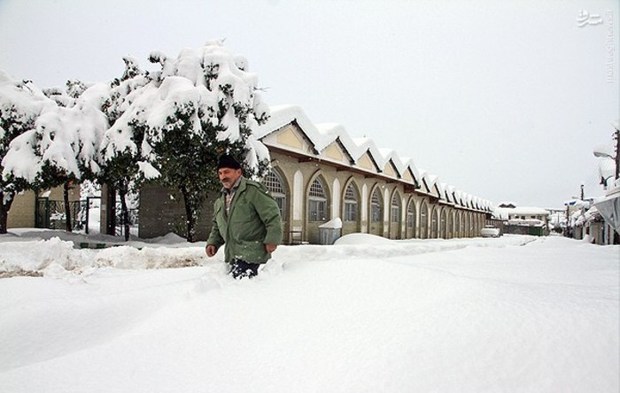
228, 176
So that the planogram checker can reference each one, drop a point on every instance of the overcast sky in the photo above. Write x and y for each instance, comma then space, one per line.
503, 99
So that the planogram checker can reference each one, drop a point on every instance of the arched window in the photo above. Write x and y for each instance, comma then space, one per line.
317, 202
395, 208
375, 207
467, 224
443, 224
350, 204
424, 221
411, 218
434, 223
273, 182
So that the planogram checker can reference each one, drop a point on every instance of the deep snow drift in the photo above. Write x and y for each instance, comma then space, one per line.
513, 314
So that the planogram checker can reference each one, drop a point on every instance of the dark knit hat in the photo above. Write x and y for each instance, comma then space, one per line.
227, 161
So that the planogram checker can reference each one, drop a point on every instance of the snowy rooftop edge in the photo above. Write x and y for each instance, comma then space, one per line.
323, 134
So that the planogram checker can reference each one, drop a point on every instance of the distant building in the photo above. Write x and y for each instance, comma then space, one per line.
607, 230
594, 220
522, 220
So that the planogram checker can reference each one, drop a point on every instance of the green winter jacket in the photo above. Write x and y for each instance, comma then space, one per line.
253, 221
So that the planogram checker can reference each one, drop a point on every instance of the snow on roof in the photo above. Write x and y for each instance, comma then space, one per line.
408, 163
320, 135
606, 167
334, 131
576, 203
448, 192
504, 212
430, 180
390, 155
282, 115
441, 187
368, 145
424, 182
324, 134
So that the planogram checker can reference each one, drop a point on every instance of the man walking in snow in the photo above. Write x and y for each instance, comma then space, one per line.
246, 219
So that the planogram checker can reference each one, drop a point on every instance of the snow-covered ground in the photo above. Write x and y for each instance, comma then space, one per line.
512, 314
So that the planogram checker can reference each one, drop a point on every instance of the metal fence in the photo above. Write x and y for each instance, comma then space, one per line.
51, 214
120, 222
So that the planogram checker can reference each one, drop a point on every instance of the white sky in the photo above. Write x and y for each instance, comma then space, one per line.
502, 99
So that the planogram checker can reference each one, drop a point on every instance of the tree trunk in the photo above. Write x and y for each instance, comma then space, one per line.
68, 226
190, 214
110, 213
125, 212
4, 212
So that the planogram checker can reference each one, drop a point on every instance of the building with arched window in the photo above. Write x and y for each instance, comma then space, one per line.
319, 173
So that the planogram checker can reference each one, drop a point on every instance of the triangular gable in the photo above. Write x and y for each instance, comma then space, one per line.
290, 137
367, 146
430, 181
367, 162
335, 151
410, 177
390, 170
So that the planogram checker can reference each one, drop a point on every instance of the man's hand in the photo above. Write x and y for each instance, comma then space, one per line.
211, 250
270, 247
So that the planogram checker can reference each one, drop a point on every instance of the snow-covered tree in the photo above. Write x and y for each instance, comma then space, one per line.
21, 103
63, 146
196, 107
122, 157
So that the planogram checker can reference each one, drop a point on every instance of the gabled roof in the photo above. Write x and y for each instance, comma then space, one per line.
429, 181
423, 182
410, 166
391, 158
368, 145
328, 141
444, 193
332, 132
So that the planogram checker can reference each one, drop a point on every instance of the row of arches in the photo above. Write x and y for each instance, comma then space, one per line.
364, 205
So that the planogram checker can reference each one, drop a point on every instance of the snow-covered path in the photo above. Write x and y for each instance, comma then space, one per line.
515, 314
